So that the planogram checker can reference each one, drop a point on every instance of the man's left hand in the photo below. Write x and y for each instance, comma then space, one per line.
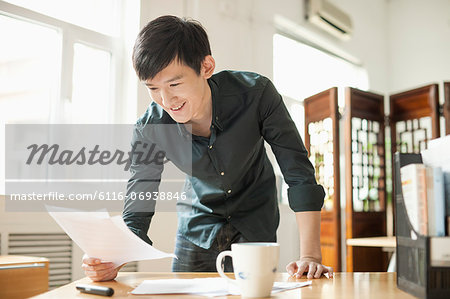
310, 267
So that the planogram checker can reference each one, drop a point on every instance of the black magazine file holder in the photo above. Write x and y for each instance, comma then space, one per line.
415, 274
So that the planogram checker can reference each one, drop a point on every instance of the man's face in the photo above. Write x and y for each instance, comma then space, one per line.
180, 91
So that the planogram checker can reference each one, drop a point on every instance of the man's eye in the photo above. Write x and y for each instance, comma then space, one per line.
153, 88
174, 84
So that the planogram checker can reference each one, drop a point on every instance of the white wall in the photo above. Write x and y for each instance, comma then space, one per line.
241, 31
419, 43
369, 41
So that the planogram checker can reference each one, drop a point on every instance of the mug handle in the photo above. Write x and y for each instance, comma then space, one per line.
219, 268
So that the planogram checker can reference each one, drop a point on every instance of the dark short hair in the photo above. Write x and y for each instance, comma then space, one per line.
167, 38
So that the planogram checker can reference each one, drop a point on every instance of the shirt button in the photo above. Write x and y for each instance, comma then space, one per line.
212, 126
229, 191
222, 173
210, 147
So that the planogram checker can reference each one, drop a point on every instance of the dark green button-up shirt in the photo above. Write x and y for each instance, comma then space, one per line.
232, 178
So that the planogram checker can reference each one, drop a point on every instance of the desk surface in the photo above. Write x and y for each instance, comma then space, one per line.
20, 259
343, 285
373, 242
22, 276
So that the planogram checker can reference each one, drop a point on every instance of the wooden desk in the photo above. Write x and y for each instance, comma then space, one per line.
343, 285
386, 242
22, 276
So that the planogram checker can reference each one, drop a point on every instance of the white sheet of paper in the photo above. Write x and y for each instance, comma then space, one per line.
437, 153
209, 287
104, 237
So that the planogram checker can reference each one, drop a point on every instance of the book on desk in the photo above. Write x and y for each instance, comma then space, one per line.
423, 260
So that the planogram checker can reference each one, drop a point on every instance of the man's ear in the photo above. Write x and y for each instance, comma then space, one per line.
208, 65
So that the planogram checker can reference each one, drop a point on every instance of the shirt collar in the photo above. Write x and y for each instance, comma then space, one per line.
216, 116
182, 130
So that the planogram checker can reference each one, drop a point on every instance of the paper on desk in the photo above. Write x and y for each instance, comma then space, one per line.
104, 237
210, 287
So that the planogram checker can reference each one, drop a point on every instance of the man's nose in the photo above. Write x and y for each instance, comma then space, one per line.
166, 97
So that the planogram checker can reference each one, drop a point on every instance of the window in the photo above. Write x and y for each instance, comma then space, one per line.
91, 85
29, 66
97, 15
60, 62
301, 71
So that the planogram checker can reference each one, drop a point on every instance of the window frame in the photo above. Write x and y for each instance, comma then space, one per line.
71, 34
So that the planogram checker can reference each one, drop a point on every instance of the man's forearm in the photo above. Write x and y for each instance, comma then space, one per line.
138, 223
309, 230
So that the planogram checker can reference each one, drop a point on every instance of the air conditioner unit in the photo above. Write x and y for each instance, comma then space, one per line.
329, 18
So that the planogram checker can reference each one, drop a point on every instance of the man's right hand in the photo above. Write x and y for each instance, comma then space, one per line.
98, 271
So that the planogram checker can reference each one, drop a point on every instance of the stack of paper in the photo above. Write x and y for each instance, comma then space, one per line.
414, 189
437, 156
209, 287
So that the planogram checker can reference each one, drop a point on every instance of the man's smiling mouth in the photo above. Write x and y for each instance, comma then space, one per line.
178, 108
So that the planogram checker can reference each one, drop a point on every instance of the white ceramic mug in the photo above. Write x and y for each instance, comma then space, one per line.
255, 265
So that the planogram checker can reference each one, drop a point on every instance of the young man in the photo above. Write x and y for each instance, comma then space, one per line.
232, 184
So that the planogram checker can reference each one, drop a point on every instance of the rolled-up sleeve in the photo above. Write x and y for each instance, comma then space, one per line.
144, 180
278, 129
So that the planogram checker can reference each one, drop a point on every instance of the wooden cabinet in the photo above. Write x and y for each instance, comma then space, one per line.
446, 107
415, 118
22, 276
365, 177
322, 143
